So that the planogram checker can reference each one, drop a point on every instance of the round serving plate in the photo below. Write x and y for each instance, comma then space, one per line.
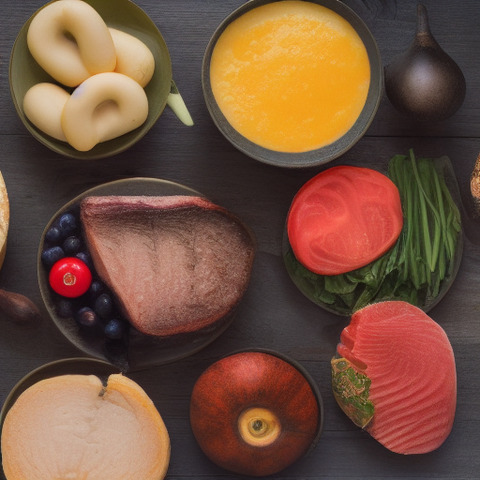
313, 285
138, 351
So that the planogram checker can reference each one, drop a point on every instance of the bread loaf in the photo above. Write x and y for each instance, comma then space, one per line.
4, 219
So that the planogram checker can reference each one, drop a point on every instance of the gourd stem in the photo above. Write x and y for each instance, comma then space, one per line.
423, 26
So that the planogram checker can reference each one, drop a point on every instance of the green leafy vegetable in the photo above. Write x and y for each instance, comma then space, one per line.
351, 389
423, 261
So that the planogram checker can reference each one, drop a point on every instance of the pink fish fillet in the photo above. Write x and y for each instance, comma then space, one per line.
410, 363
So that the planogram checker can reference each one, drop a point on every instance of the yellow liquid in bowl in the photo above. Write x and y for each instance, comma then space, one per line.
290, 76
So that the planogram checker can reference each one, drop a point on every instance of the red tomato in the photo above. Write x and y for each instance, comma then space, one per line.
344, 218
70, 277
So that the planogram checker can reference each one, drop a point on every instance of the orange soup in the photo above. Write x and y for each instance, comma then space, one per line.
290, 76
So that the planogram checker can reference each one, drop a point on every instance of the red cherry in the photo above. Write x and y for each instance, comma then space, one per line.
70, 277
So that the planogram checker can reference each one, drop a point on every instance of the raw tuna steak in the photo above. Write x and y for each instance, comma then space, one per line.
395, 377
176, 264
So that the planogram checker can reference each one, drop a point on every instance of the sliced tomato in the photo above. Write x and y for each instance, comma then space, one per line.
344, 218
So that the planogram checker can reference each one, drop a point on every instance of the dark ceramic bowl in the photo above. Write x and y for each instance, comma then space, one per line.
123, 15
313, 157
136, 351
313, 286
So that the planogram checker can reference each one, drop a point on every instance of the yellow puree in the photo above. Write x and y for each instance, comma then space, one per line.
290, 76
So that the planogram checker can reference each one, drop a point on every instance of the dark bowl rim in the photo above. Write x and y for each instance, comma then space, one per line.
315, 157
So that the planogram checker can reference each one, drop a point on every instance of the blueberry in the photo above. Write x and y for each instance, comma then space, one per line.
51, 255
86, 317
72, 245
96, 288
67, 224
53, 235
85, 258
64, 308
114, 329
103, 305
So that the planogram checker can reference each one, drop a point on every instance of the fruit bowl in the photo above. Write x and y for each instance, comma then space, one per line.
123, 15
121, 344
253, 138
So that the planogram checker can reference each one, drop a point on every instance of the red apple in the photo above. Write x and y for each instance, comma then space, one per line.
255, 413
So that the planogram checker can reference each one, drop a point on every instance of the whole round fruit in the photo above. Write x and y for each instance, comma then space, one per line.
255, 413
70, 277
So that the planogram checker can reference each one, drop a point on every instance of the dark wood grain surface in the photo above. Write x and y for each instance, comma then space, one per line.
274, 314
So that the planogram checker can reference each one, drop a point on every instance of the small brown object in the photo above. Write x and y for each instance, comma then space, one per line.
424, 82
475, 185
18, 308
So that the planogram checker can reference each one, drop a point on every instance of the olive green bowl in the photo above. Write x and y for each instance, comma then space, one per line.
313, 157
124, 15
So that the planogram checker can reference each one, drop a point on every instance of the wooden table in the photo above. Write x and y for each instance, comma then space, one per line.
274, 313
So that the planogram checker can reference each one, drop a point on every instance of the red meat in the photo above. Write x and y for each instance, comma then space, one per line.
176, 264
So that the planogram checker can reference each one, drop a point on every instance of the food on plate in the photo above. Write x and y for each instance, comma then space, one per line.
134, 58
102, 73
43, 105
94, 310
71, 41
74, 426
475, 185
344, 218
394, 375
423, 262
103, 107
176, 264
290, 76
255, 413
424, 82
70, 277
4, 218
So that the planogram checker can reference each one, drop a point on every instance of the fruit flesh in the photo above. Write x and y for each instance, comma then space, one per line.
409, 361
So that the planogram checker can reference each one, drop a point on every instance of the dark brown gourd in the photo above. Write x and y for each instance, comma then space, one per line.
424, 82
